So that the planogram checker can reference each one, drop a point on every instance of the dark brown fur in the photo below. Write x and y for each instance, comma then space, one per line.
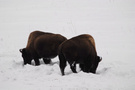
88, 37
80, 49
41, 45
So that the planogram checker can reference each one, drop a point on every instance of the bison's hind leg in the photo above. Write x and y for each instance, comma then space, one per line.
47, 60
73, 66
62, 64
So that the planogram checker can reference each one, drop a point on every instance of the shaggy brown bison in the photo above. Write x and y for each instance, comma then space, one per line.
41, 45
80, 49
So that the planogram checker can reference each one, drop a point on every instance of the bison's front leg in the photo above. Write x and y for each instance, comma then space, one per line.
81, 66
36, 61
73, 67
27, 63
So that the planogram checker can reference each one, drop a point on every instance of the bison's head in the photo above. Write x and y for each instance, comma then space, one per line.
95, 64
26, 56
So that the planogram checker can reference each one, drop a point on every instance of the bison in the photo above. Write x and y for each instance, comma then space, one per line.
79, 50
41, 45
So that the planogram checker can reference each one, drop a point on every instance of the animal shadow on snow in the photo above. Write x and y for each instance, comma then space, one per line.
99, 72
51, 64
42, 63
103, 70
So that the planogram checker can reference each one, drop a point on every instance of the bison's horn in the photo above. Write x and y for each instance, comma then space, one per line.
100, 58
21, 50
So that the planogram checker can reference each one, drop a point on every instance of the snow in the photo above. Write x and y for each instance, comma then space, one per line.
110, 22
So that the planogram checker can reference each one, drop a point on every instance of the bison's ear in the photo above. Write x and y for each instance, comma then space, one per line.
22, 50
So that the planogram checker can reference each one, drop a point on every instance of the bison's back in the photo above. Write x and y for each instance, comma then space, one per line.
47, 45
77, 48
86, 37
33, 35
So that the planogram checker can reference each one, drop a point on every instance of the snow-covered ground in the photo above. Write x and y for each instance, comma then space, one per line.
110, 22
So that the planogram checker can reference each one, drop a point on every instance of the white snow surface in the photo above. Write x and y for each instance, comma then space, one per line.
110, 22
